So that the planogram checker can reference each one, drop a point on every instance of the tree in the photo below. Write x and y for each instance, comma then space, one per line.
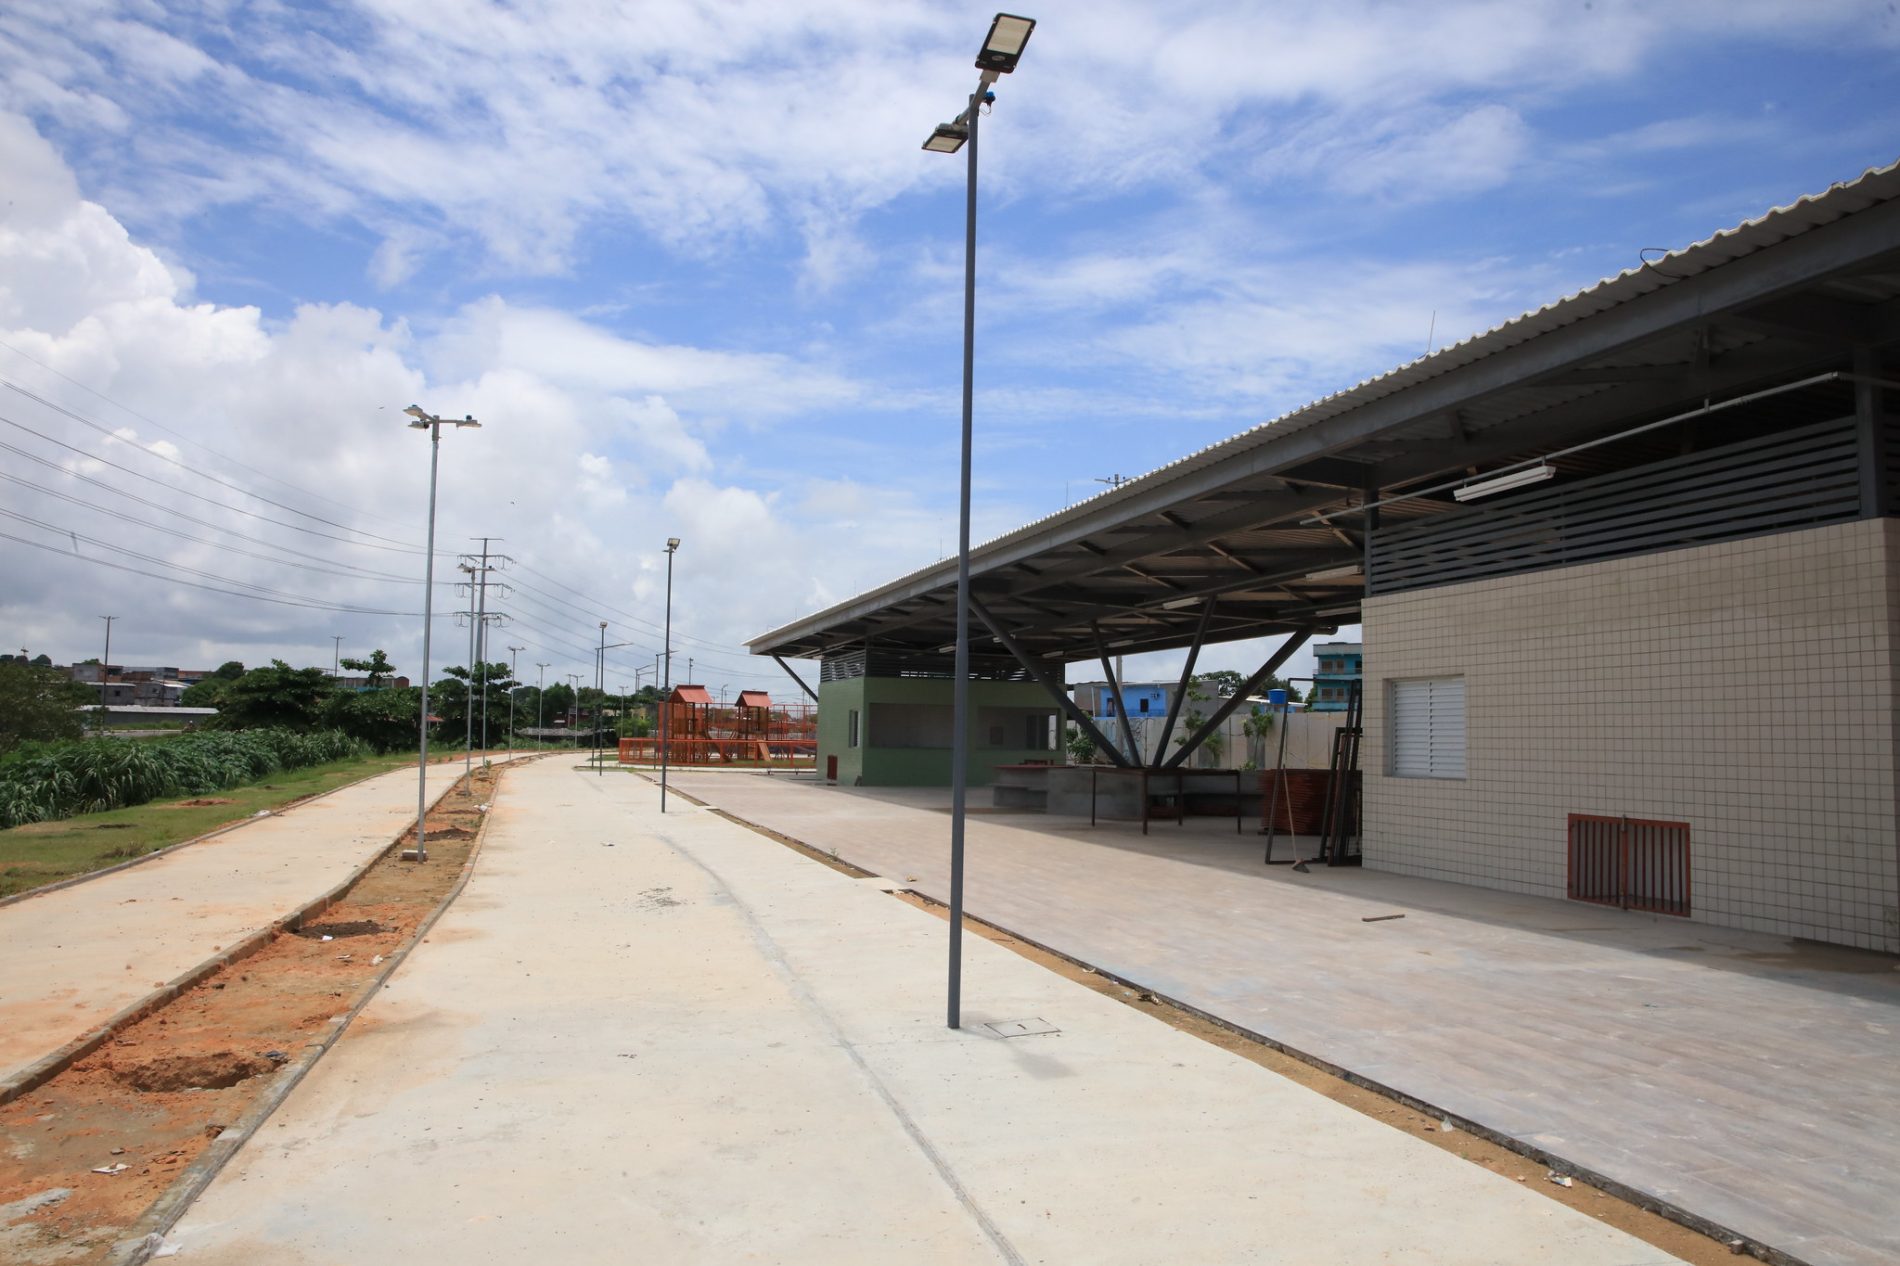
557, 702
377, 667
1081, 746
42, 660
276, 696
229, 670
1201, 688
1221, 683
451, 698
385, 719
38, 703
208, 693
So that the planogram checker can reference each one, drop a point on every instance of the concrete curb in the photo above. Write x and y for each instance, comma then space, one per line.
72, 880
148, 1233
1530, 1151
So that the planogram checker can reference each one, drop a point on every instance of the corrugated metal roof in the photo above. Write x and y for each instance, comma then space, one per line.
690, 694
1779, 224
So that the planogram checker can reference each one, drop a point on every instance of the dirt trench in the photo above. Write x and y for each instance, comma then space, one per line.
149, 1101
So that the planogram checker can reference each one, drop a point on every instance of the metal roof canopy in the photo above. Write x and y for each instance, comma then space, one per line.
1245, 524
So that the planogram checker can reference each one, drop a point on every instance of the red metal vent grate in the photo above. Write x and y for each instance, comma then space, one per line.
1631, 863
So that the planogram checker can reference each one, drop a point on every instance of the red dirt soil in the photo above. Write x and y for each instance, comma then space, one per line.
156, 1093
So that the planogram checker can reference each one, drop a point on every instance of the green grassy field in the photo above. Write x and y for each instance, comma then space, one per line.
43, 852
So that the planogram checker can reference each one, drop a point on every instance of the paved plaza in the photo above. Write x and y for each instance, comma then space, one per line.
637, 1038
1744, 1078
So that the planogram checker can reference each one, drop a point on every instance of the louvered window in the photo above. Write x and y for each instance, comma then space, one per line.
1428, 728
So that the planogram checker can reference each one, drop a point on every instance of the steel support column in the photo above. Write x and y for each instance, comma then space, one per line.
1279, 657
1056, 692
795, 677
1871, 434
1187, 675
1121, 703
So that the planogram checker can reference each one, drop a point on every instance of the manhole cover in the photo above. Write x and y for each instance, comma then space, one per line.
1021, 1028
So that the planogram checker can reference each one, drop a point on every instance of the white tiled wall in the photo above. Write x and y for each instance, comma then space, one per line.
1745, 688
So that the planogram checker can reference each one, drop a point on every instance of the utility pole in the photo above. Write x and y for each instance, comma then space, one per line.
540, 705
574, 708
336, 656
105, 668
600, 695
689, 668
480, 654
468, 696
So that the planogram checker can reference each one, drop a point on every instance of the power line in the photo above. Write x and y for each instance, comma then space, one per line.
151, 421
343, 570
174, 580
110, 434
186, 492
297, 599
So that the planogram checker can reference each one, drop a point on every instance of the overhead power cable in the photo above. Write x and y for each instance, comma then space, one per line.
343, 570
165, 509
257, 590
186, 492
192, 584
189, 439
110, 434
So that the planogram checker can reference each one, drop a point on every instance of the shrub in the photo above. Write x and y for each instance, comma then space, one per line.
46, 781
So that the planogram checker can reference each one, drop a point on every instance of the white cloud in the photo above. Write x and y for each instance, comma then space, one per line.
593, 449
437, 123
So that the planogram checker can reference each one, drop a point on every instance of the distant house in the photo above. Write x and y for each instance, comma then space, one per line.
1340, 665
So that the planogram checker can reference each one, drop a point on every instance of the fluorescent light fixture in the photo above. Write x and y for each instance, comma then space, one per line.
1335, 573
947, 139
1127, 641
1004, 44
1504, 483
1338, 611
1178, 603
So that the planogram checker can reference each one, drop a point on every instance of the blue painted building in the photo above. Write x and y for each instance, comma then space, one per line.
1338, 665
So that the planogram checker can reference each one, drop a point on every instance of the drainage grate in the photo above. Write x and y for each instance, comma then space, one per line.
1631, 863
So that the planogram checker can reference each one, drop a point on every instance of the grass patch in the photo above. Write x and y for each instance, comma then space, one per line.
44, 852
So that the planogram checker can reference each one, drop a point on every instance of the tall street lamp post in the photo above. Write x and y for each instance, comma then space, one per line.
105, 670
514, 656
666, 660
600, 684
540, 705
433, 425
998, 56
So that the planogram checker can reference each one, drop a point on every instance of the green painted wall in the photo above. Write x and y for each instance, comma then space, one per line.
836, 701
917, 766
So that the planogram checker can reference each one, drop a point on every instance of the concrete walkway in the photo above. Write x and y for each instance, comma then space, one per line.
1744, 1078
636, 1039
77, 956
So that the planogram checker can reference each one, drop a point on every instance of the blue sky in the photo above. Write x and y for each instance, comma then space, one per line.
690, 267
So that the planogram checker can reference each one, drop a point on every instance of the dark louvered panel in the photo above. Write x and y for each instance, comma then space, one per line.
1806, 477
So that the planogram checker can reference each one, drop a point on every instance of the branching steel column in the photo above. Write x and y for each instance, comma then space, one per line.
1187, 675
1067, 704
1293, 643
795, 677
1115, 687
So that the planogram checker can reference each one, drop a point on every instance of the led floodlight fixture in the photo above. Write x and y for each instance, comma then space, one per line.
1004, 45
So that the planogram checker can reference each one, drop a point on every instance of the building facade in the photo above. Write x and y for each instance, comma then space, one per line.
1338, 667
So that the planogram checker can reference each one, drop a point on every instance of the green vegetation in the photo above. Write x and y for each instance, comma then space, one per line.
38, 704
46, 852
44, 782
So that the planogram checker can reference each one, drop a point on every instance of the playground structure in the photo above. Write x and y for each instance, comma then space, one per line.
751, 732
